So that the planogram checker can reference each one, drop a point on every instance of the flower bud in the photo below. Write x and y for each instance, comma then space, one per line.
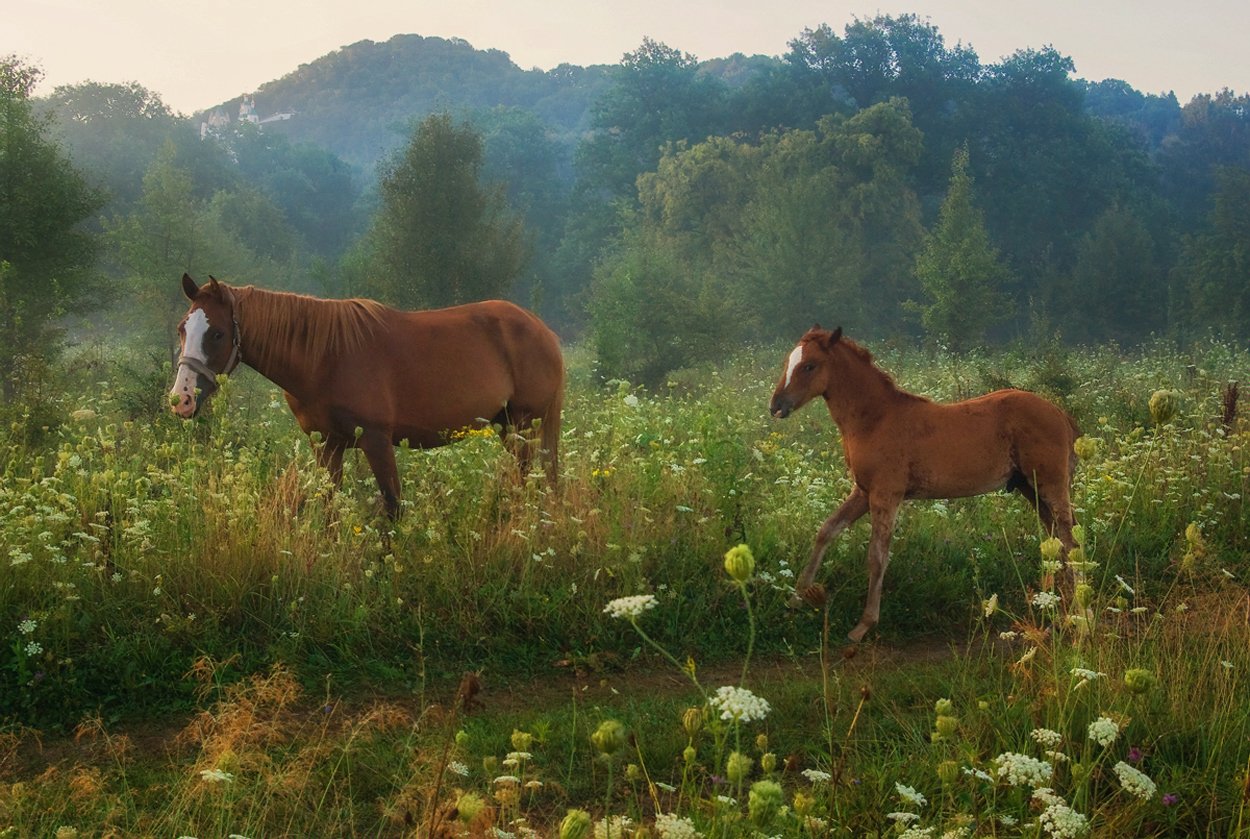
1138, 680
490, 765
948, 771
469, 806
738, 767
768, 762
803, 804
761, 742
689, 754
522, 740
763, 803
739, 563
576, 825
609, 737
462, 739
1052, 548
1084, 595
632, 772
692, 721
1163, 406
943, 707
947, 727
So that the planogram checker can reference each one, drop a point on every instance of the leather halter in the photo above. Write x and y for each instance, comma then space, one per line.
236, 352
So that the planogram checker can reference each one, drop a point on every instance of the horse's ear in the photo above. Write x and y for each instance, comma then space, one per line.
815, 326
189, 288
214, 286
837, 333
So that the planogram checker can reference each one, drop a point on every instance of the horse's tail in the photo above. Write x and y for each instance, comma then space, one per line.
551, 432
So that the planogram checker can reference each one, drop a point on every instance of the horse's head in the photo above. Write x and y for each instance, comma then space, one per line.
806, 373
208, 339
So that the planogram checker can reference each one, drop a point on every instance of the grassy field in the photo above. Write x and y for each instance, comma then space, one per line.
201, 639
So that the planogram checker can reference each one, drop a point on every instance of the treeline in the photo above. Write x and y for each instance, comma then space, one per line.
670, 209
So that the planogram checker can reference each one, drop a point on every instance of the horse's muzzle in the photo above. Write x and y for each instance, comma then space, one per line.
780, 408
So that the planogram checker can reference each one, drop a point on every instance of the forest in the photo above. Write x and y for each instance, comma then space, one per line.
664, 209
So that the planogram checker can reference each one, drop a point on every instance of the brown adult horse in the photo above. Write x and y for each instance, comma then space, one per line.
899, 446
367, 376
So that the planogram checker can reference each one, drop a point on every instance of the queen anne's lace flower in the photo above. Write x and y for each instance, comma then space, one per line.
1021, 770
1135, 781
613, 827
910, 795
1103, 731
1045, 600
671, 826
739, 704
816, 776
630, 607
1062, 822
1046, 737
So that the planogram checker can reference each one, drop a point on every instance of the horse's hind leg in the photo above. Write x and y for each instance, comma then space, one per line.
330, 458
851, 510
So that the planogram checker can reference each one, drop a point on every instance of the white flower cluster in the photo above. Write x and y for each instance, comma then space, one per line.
613, 827
1045, 600
1135, 781
671, 826
909, 794
1087, 675
1062, 822
1021, 770
1047, 738
630, 608
739, 704
917, 833
816, 776
1103, 731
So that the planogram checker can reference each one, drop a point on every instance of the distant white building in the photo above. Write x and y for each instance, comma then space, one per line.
218, 121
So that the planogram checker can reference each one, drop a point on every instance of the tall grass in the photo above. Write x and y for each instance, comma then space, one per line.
149, 565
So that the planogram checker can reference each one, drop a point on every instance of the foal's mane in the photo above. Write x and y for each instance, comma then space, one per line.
314, 327
861, 354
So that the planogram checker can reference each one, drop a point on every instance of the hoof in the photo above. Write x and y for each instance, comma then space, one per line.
814, 596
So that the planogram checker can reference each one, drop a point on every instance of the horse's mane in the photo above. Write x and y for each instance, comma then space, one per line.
862, 354
314, 327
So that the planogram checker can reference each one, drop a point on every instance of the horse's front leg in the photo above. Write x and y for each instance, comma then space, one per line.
884, 514
380, 453
852, 509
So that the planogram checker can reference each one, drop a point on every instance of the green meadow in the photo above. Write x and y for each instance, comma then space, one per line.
200, 637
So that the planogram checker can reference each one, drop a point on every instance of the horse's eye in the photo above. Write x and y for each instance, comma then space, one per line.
809, 367
218, 334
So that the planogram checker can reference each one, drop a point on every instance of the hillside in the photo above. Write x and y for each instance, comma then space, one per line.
359, 100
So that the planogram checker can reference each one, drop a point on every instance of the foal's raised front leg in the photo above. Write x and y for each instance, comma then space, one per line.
884, 515
852, 509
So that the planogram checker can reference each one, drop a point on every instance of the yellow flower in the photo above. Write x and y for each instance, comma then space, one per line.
740, 563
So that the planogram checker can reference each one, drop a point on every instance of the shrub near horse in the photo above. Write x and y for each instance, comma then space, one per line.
367, 376
900, 446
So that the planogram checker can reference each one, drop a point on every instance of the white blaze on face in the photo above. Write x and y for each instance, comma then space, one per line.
185, 379
796, 358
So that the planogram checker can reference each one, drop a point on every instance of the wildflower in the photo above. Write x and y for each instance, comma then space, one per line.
1045, 600
1124, 585
1022, 770
66, 832
1052, 548
943, 707
948, 772
989, 607
737, 767
917, 833
739, 704
1103, 731
511, 780
816, 776
909, 795
1134, 781
1138, 680
608, 737
903, 817
521, 741
34, 648
576, 825
1085, 447
27, 626
1047, 738
458, 768
1135, 755
673, 826
1163, 406
763, 803
613, 827
217, 776
519, 756
469, 806
1170, 798
739, 563
692, 721
1062, 822
630, 608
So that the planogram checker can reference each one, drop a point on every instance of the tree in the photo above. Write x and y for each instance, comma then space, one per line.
1216, 261
959, 269
46, 260
440, 236
1118, 287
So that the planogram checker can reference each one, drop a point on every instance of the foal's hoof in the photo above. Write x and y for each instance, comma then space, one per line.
814, 596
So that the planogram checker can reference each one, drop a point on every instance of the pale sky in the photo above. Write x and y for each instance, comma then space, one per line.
196, 54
